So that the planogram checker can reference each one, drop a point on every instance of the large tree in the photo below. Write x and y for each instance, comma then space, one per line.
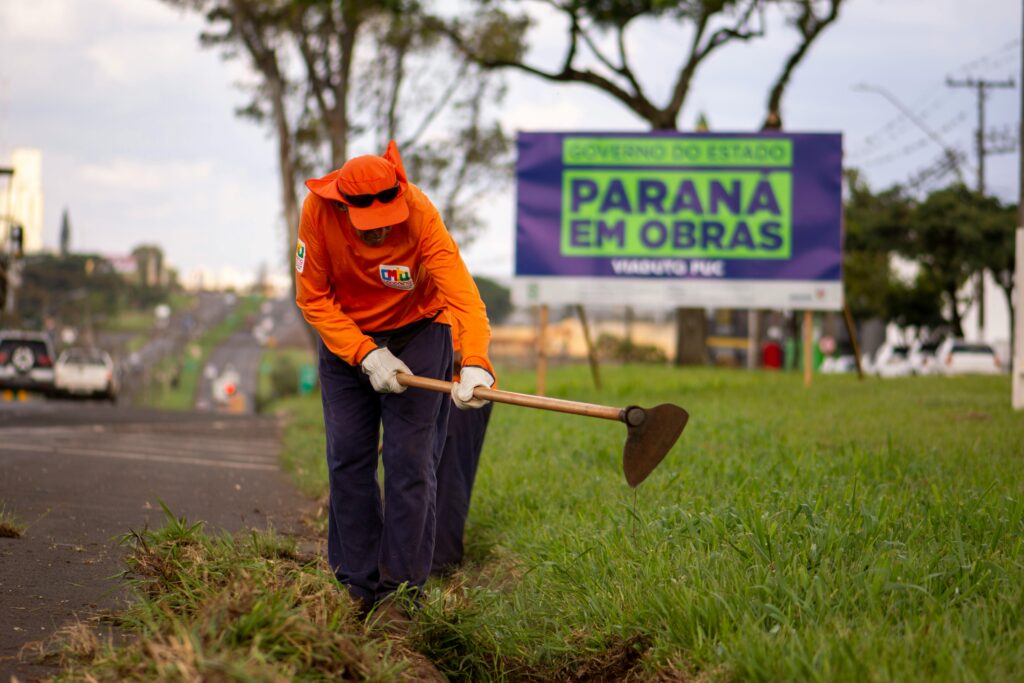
328, 73
952, 234
949, 234
873, 234
876, 232
597, 53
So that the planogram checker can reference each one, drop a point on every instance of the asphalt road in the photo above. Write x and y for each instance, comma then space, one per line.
210, 309
241, 355
80, 475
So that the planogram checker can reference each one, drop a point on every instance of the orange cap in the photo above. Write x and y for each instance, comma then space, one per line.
368, 175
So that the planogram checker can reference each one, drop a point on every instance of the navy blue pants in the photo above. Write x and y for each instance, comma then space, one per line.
455, 476
375, 547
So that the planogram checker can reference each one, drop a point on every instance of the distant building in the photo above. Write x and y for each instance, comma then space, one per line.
233, 279
125, 266
21, 198
149, 260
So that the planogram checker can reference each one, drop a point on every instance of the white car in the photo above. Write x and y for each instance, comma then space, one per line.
958, 357
923, 360
83, 372
892, 360
843, 363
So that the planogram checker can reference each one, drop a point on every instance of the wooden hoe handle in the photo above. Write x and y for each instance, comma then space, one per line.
513, 398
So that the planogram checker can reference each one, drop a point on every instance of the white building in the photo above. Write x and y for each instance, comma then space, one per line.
21, 198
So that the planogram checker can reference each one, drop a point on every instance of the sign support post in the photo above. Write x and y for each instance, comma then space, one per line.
591, 351
1017, 366
808, 342
542, 350
851, 330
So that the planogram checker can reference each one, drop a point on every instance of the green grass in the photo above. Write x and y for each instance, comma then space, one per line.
855, 530
182, 395
851, 531
303, 455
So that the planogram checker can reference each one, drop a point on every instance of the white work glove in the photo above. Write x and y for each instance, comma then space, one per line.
382, 366
470, 377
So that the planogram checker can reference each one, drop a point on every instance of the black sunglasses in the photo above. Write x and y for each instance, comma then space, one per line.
361, 201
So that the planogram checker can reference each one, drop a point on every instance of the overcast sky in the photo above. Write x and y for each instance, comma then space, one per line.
140, 143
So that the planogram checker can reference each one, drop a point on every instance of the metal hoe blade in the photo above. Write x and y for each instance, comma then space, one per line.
651, 434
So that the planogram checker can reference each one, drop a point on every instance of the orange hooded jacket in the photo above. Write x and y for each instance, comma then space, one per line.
348, 289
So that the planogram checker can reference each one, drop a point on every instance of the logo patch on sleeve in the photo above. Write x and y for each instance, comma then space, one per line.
396, 277
300, 256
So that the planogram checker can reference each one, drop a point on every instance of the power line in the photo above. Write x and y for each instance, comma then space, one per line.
951, 155
998, 56
933, 98
914, 146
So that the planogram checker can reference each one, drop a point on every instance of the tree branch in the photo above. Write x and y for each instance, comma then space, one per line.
636, 102
439, 106
810, 27
698, 54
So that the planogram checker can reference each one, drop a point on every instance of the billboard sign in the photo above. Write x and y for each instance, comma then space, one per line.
703, 220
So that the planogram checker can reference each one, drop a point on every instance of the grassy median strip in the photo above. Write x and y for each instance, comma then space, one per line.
181, 393
851, 531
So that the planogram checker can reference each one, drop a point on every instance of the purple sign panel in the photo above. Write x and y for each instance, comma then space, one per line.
738, 220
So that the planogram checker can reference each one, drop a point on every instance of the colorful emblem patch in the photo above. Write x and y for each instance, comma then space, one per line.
397, 277
300, 256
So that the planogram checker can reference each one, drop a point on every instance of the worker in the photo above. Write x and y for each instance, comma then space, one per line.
380, 279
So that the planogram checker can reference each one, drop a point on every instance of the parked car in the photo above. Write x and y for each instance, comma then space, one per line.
26, 361
923, 360
958, 357
842, 363
892, 360
83, 372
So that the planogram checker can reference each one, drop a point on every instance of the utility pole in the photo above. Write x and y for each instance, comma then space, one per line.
1017, 335
981, 85
8, 270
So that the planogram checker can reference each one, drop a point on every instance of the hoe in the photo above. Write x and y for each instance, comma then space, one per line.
650, 432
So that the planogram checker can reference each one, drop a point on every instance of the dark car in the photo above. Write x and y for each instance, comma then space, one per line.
26, 362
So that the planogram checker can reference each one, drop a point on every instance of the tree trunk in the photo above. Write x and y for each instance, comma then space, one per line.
289, 197
957, 323
339, 120
691, 337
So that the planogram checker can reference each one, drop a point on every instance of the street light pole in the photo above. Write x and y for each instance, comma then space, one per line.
1017, 366
8, 259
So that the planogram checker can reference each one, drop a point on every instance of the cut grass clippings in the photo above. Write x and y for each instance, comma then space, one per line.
235, 608
10, 527
850, 531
